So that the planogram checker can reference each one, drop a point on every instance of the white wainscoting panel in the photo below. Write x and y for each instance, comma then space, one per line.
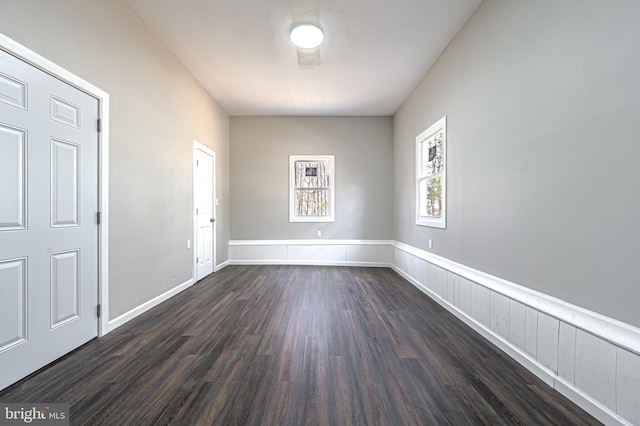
312, 252
567, 352
420, 270
531, 332
464, 303
595, 368
500, 315
484, 306
628, 384
257, 253
474, 300
591, 359
404, 261
439, 277
374, 253
548, 329
517, 319
321, 254
451, 284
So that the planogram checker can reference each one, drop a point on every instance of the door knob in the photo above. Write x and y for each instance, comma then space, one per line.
212, 220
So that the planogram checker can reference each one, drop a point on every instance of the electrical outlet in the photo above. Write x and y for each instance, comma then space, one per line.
319, 233
188, 244
430, 243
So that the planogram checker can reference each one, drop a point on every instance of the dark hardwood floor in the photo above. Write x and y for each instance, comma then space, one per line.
295, 345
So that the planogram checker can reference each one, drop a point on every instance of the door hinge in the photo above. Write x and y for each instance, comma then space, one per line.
197, 162
99, 310
99, 217
197, 259
99, 125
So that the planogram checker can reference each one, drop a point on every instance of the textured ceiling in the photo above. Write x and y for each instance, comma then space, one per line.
375, 51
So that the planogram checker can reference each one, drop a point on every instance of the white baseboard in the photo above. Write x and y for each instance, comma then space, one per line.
311, 262
128, 316
139, 310
307, 242
221, 266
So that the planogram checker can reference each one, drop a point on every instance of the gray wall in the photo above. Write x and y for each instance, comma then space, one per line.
542, 100
541, 97
157, 110
260, 149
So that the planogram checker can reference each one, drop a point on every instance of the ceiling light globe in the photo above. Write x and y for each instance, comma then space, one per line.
306, 35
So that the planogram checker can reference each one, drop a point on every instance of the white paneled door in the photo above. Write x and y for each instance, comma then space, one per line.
204, 189
48, 223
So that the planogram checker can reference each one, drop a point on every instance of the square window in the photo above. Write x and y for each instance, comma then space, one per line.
311, 189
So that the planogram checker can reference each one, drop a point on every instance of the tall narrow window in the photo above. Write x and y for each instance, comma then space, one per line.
311, 188
431, 176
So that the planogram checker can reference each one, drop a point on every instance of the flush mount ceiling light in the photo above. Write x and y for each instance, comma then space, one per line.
306, 35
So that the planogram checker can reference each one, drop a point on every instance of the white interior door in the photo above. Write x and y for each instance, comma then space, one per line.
48, 227
204, 200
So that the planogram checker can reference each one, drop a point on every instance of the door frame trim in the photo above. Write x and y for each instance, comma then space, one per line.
199, 147
27, 55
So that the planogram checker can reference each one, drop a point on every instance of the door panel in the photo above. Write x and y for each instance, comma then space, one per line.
12, 178
13, 92
13, 305
48, 228
203, 196
65, 112
65, 194
65, 287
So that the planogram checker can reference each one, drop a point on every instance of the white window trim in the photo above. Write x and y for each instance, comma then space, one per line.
292, 186
424, 220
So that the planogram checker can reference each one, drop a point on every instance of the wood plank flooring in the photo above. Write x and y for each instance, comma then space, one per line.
296, 345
